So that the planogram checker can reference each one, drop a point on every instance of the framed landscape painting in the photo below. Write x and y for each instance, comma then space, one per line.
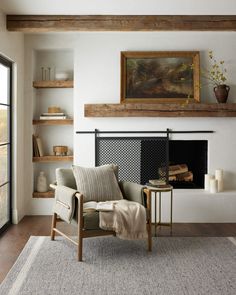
160, 76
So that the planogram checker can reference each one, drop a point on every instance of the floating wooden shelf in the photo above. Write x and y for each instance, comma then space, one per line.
53, 159
160, 110
53, 122
54, 84
49, 194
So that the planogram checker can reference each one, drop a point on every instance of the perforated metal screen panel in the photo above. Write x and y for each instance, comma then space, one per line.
123, 152
154, 159
139, 158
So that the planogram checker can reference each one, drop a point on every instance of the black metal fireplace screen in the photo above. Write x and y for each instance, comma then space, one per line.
140, 158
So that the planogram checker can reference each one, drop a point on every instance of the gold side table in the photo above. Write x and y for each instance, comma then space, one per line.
158, 191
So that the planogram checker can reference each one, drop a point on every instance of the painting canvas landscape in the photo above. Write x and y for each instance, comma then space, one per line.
160, 76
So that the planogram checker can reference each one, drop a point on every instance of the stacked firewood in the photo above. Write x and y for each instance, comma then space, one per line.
178, 173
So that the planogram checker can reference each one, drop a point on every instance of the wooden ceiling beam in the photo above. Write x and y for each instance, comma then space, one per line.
56, 23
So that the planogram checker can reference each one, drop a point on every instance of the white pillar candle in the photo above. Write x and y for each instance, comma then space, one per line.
213, 186
220, 185
219, 174
208, 177
219, 177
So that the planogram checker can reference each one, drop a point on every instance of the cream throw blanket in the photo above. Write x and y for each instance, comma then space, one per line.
128, 220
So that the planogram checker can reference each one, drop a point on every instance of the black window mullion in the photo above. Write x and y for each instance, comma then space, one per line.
5, 104
10, 142
8, 104
5, 143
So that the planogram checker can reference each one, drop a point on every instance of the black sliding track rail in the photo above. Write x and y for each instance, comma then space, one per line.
169, 131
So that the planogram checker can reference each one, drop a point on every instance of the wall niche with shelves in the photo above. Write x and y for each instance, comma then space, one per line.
53, 88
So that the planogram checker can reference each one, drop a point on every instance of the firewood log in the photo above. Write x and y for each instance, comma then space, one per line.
178, 169
187, 176
174, 169
172, 178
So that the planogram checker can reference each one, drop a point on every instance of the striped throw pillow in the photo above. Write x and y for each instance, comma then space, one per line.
98, 183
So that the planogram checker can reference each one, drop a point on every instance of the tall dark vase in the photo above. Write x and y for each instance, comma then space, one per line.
221, 93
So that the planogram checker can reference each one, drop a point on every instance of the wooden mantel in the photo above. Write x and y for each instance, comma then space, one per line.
47, 23
160, 110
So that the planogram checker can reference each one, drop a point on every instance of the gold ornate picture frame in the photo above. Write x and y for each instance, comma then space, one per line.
160, 76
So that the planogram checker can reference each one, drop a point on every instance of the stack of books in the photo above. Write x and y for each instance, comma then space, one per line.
158, 183
37, 146
53, 116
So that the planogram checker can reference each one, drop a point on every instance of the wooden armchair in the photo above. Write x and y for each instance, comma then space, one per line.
88, 223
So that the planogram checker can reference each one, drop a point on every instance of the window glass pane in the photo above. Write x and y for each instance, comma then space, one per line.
4, 84
3, 164
4, 205
4, 130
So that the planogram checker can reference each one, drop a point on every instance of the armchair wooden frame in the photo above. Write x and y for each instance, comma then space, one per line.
83, 233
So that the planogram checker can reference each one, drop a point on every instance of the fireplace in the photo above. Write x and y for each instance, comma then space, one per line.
193, 155
187, 162
143, 158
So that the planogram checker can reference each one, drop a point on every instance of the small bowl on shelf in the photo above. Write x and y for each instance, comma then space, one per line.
64, 76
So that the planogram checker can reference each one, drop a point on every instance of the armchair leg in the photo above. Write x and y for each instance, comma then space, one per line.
149, 222
80, 228
80, 246
54, 223
149, 229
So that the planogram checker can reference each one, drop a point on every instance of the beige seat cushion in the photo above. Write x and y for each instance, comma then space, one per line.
91, 221
98, 183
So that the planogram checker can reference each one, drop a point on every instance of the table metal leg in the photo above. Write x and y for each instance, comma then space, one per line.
155, 214
171, 209
159, 222
160, 207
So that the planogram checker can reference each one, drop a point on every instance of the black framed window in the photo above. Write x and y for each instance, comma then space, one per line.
5, 142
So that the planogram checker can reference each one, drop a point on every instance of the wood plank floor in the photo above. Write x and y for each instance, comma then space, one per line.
13, 240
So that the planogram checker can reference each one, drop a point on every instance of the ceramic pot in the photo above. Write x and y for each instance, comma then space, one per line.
221, 93
42, 186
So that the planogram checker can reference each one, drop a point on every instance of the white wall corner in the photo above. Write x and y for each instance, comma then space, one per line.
12, 48
16, 216
2, 21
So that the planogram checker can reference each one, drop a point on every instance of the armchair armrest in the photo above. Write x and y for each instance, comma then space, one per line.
53, 186
132, 191
148, 198
65, 202
77, 194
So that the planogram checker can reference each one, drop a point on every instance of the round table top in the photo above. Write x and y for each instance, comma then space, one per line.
160, 188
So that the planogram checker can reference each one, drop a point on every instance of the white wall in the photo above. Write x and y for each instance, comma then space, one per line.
97, 71
98, 64
12, 47
97, 80
120, 7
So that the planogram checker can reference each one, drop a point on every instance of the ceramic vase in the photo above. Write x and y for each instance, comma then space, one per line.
221, 93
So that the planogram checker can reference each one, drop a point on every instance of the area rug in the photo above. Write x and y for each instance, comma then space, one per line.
111, 266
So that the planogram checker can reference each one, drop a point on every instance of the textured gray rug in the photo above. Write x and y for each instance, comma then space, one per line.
112, 266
